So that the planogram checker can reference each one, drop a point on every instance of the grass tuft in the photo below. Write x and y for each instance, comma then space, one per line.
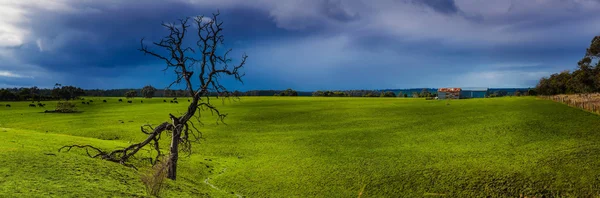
154, 178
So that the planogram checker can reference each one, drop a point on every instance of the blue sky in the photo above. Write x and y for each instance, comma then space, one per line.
304, 45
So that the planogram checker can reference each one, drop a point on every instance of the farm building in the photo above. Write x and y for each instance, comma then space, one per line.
473, 92
456, 93
449, 93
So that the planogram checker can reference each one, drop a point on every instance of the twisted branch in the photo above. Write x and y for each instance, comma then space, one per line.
182, 60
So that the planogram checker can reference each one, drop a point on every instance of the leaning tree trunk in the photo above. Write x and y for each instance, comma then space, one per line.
173, 156
174, 151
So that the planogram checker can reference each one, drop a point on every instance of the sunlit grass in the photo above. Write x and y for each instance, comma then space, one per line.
320, 147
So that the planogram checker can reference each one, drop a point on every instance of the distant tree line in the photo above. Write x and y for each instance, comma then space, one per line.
353, 93
71, 92
152, 92
514, 92
287, 92
59, 92
584, 79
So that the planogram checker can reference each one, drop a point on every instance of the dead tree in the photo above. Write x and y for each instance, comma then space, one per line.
209, 66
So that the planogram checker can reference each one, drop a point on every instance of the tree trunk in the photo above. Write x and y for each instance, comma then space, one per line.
174, 154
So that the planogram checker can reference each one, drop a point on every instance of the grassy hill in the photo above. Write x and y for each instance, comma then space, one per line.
315, 147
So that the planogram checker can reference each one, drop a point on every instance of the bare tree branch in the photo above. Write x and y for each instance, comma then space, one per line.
183, 60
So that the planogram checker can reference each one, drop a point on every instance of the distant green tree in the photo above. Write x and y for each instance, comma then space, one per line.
415, 94
34, 93
289, 92
584, 79
318, 94
67, 92
148, 91
6, 95
370, 94
388, 94
499, 94
131, 94
25, 94
425, 93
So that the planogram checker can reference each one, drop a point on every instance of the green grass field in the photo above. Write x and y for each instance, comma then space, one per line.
315, 147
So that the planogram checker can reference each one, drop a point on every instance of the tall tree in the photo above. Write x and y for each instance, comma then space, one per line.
6, 95
200, 69
25, 94
34, 92
584, 79
148, 91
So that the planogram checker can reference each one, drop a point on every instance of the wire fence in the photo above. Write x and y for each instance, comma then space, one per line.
589, 102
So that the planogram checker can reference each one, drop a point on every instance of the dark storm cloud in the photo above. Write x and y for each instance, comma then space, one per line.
109, 37
306, 45
334, 10
442, 6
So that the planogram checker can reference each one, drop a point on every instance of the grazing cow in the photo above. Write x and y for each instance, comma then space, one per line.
87, 103
40, 105
171, 101
31, 105
176, 102
120, 100
174, 98
82, 102
7, 105
142, 101
103, 100
129, 101
91, 101
164, 100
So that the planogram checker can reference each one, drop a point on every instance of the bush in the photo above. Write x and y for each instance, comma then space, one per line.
65, 107
288, 92
148, 91
131, 94
154, 178
387, 94
517, 93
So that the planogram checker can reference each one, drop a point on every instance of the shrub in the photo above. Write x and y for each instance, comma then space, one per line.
131, 94
154, 178
387, 94
288, 92
148, 91
65, 107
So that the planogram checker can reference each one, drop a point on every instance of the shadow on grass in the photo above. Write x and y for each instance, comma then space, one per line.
53, 111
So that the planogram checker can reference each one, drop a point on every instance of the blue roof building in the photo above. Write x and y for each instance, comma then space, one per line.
473, 92
467, 92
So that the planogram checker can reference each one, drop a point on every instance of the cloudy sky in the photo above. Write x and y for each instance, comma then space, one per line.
303, 44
